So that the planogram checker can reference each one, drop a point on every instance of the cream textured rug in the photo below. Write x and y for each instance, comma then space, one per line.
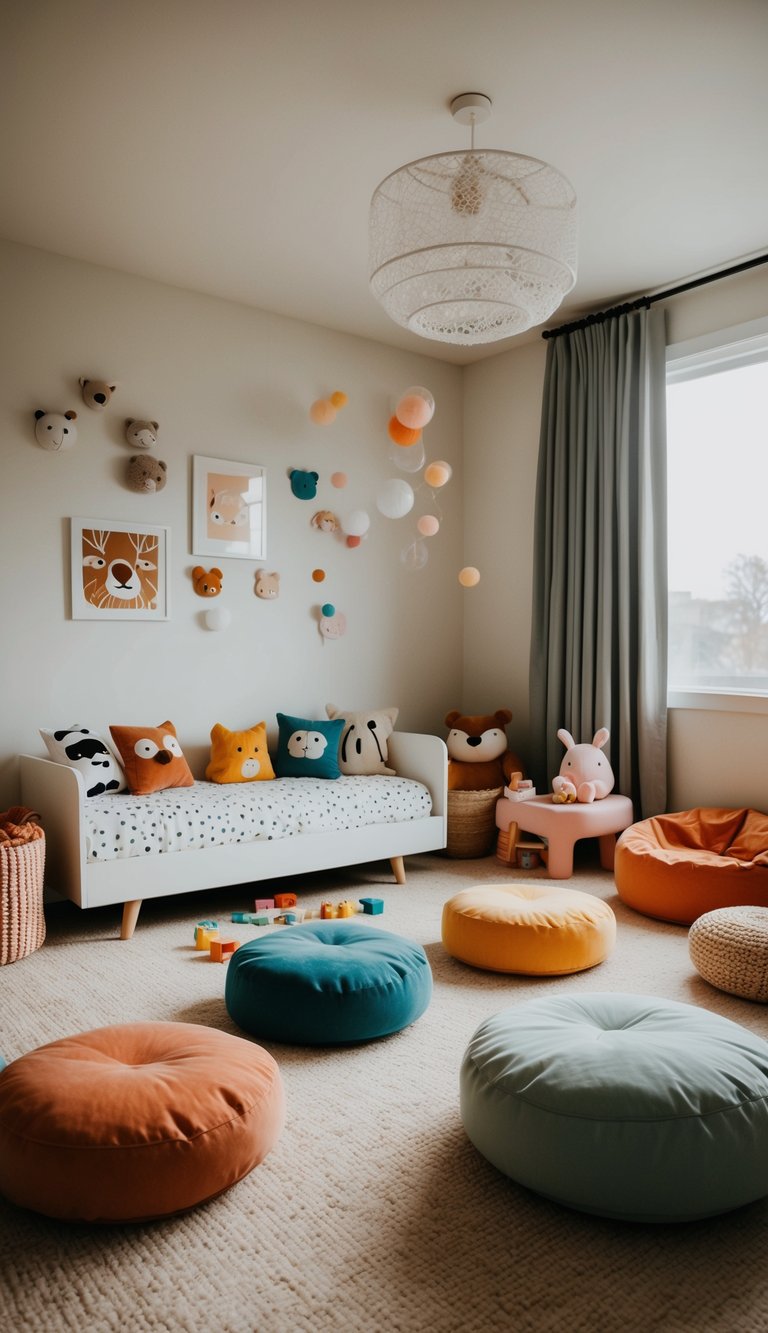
373, 1212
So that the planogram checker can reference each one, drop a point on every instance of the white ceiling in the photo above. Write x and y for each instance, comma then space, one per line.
232, 146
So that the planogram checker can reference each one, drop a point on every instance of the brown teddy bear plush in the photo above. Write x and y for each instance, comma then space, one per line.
478, 757
146, 474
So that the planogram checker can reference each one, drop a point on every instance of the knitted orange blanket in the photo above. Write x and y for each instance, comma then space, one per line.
18, 826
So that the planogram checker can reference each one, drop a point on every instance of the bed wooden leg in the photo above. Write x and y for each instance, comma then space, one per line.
130, 917
398, 869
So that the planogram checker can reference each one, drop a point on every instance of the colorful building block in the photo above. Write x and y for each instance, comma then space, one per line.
203, 937
262, 904
373, 906
221, 950
285, 900
326, 911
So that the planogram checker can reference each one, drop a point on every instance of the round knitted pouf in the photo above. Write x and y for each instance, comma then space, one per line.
134, 1122
729, 949
623, 1105
538, 930
327, 983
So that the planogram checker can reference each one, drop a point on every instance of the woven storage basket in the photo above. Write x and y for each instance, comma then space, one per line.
472, 822
22, 924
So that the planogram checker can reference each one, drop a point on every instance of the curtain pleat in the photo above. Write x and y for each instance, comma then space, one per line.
599, 634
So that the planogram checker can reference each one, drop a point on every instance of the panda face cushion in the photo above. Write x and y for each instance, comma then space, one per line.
84, 749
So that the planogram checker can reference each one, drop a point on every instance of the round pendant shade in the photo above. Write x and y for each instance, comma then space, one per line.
470, 247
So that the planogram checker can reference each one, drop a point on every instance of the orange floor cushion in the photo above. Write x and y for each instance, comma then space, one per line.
676, 867
138, 1121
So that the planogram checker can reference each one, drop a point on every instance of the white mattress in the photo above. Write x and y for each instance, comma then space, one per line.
211, 814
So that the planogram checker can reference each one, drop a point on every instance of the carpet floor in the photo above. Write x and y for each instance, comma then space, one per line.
374, 1211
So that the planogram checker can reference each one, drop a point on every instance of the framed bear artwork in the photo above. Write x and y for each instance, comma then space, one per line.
229, 509
119, 570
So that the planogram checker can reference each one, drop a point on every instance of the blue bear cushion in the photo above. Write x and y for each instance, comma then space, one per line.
308, 749
327, 983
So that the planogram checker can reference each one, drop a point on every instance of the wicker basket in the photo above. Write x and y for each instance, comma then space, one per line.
472, 822
22, 923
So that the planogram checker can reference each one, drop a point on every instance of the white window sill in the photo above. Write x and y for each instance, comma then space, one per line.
711, 700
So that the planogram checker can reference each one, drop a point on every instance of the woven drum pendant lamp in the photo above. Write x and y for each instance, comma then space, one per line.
470, 247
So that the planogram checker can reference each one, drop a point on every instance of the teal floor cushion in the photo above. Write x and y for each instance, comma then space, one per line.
627, 1106
327, 983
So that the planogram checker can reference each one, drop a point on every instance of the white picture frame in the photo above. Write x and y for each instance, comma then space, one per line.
119, 571
229, 509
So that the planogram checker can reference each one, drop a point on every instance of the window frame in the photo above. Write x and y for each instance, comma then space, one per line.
722, 349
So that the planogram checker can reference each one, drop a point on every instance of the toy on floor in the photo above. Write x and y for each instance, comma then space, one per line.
204, 932
222, 950
372, 906
478, 757
585, 774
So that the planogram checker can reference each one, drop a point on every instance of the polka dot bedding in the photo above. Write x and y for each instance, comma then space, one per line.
211, 814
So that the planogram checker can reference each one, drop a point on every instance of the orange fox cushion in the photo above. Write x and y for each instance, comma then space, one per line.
142, 1120
152, 758
239, 756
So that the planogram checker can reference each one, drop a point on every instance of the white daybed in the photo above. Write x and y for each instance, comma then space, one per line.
57, 793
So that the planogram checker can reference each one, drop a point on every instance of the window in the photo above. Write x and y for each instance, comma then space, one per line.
717, 449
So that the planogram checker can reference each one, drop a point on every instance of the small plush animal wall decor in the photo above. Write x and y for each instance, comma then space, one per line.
146, 475
325, 521
207, 582
96, 393
303, 484
55, 430
267, 585
141, 434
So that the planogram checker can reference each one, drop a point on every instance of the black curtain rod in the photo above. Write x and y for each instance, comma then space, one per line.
645, 302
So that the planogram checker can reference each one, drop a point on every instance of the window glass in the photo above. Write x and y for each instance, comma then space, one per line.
717, 449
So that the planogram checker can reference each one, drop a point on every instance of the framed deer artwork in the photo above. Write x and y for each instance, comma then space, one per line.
229, 509
119, 570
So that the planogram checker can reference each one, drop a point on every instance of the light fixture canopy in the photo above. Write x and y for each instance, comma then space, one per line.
472, 246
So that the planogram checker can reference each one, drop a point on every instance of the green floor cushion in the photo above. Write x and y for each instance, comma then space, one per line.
327, 983
627, 1106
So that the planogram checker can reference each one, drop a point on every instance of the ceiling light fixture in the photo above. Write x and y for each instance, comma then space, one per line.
470, 247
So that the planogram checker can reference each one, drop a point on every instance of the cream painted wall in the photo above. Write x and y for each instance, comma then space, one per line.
715, 758
226, 381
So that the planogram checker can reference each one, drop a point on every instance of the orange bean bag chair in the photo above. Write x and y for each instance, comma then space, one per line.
676, 867
138, 1121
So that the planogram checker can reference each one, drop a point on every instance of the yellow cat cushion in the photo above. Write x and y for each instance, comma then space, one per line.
239, 756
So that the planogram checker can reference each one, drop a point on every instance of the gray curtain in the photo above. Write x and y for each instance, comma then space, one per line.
599, 638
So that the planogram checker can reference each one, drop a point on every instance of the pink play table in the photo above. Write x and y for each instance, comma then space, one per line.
565, 825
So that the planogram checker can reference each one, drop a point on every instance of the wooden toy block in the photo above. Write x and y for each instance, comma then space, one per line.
506, 844
285, 900
221, 950
262, 903
372, 906
203, 937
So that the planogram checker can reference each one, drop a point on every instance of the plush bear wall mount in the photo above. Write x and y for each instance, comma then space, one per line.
146, 475
207, 582
478, 757
96, 393
141, 434
303, 484
55, 430
267, 585
585, 774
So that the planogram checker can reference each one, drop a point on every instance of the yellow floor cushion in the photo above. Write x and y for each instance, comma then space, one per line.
537, 930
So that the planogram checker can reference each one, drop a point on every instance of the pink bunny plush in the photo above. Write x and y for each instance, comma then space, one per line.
585, 774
